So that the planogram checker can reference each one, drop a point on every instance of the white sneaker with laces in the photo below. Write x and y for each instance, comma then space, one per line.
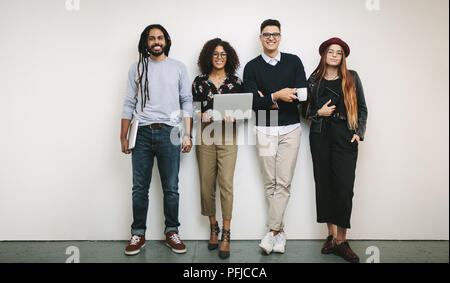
267, 243
280, 243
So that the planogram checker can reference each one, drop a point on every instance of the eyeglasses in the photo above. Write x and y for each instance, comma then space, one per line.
222, 54
275, 35
338, 52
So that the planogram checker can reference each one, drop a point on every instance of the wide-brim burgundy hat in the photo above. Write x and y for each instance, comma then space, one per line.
334, 40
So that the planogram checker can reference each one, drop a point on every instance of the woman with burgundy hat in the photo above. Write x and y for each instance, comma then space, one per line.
338, 113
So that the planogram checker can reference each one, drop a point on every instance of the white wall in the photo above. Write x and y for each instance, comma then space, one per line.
62, 81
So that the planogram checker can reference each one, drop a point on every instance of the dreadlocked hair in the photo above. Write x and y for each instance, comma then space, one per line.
142, 66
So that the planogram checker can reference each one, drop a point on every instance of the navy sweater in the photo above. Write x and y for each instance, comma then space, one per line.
288, 73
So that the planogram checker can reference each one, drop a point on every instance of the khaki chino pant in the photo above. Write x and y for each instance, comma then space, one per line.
216, 157
278, 158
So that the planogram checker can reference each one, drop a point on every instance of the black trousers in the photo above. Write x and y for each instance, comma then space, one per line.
334, 164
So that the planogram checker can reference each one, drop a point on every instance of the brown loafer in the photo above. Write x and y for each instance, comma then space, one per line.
343, 250
328, 246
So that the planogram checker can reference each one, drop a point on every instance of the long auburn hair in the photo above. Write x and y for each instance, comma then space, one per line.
348, 87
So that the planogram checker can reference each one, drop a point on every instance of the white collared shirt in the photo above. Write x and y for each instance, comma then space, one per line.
280, 130
272, 61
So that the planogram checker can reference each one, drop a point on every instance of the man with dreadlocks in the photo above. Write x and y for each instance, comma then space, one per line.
158, 96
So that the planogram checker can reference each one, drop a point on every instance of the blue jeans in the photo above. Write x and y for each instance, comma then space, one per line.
151, 143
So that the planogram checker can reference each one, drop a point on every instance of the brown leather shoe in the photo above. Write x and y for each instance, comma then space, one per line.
343, 250
137, 242
328, 246
174, 242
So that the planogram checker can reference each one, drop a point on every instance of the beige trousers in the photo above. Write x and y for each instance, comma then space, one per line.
278, 158
216, 157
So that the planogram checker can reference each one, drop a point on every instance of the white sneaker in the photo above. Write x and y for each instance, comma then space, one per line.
280, 243
267, 243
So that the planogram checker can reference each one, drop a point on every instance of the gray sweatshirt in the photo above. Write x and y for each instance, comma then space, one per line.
169, 90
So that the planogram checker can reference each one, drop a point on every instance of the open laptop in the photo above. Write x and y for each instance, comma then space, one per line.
237, 105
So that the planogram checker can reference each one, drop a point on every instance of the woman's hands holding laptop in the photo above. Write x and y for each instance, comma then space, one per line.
207, 117
229, 119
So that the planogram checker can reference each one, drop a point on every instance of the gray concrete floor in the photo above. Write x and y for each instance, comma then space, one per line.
297, 251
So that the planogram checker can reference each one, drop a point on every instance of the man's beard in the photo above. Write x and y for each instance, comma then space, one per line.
156, 54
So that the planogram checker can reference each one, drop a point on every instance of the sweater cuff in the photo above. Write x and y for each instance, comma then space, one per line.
127, 115
273, 102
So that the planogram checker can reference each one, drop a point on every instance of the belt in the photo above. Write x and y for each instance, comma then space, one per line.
156, 126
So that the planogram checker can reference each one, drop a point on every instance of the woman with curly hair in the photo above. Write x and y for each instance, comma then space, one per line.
216, 155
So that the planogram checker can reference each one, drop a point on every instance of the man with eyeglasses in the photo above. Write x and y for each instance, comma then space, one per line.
277, 81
